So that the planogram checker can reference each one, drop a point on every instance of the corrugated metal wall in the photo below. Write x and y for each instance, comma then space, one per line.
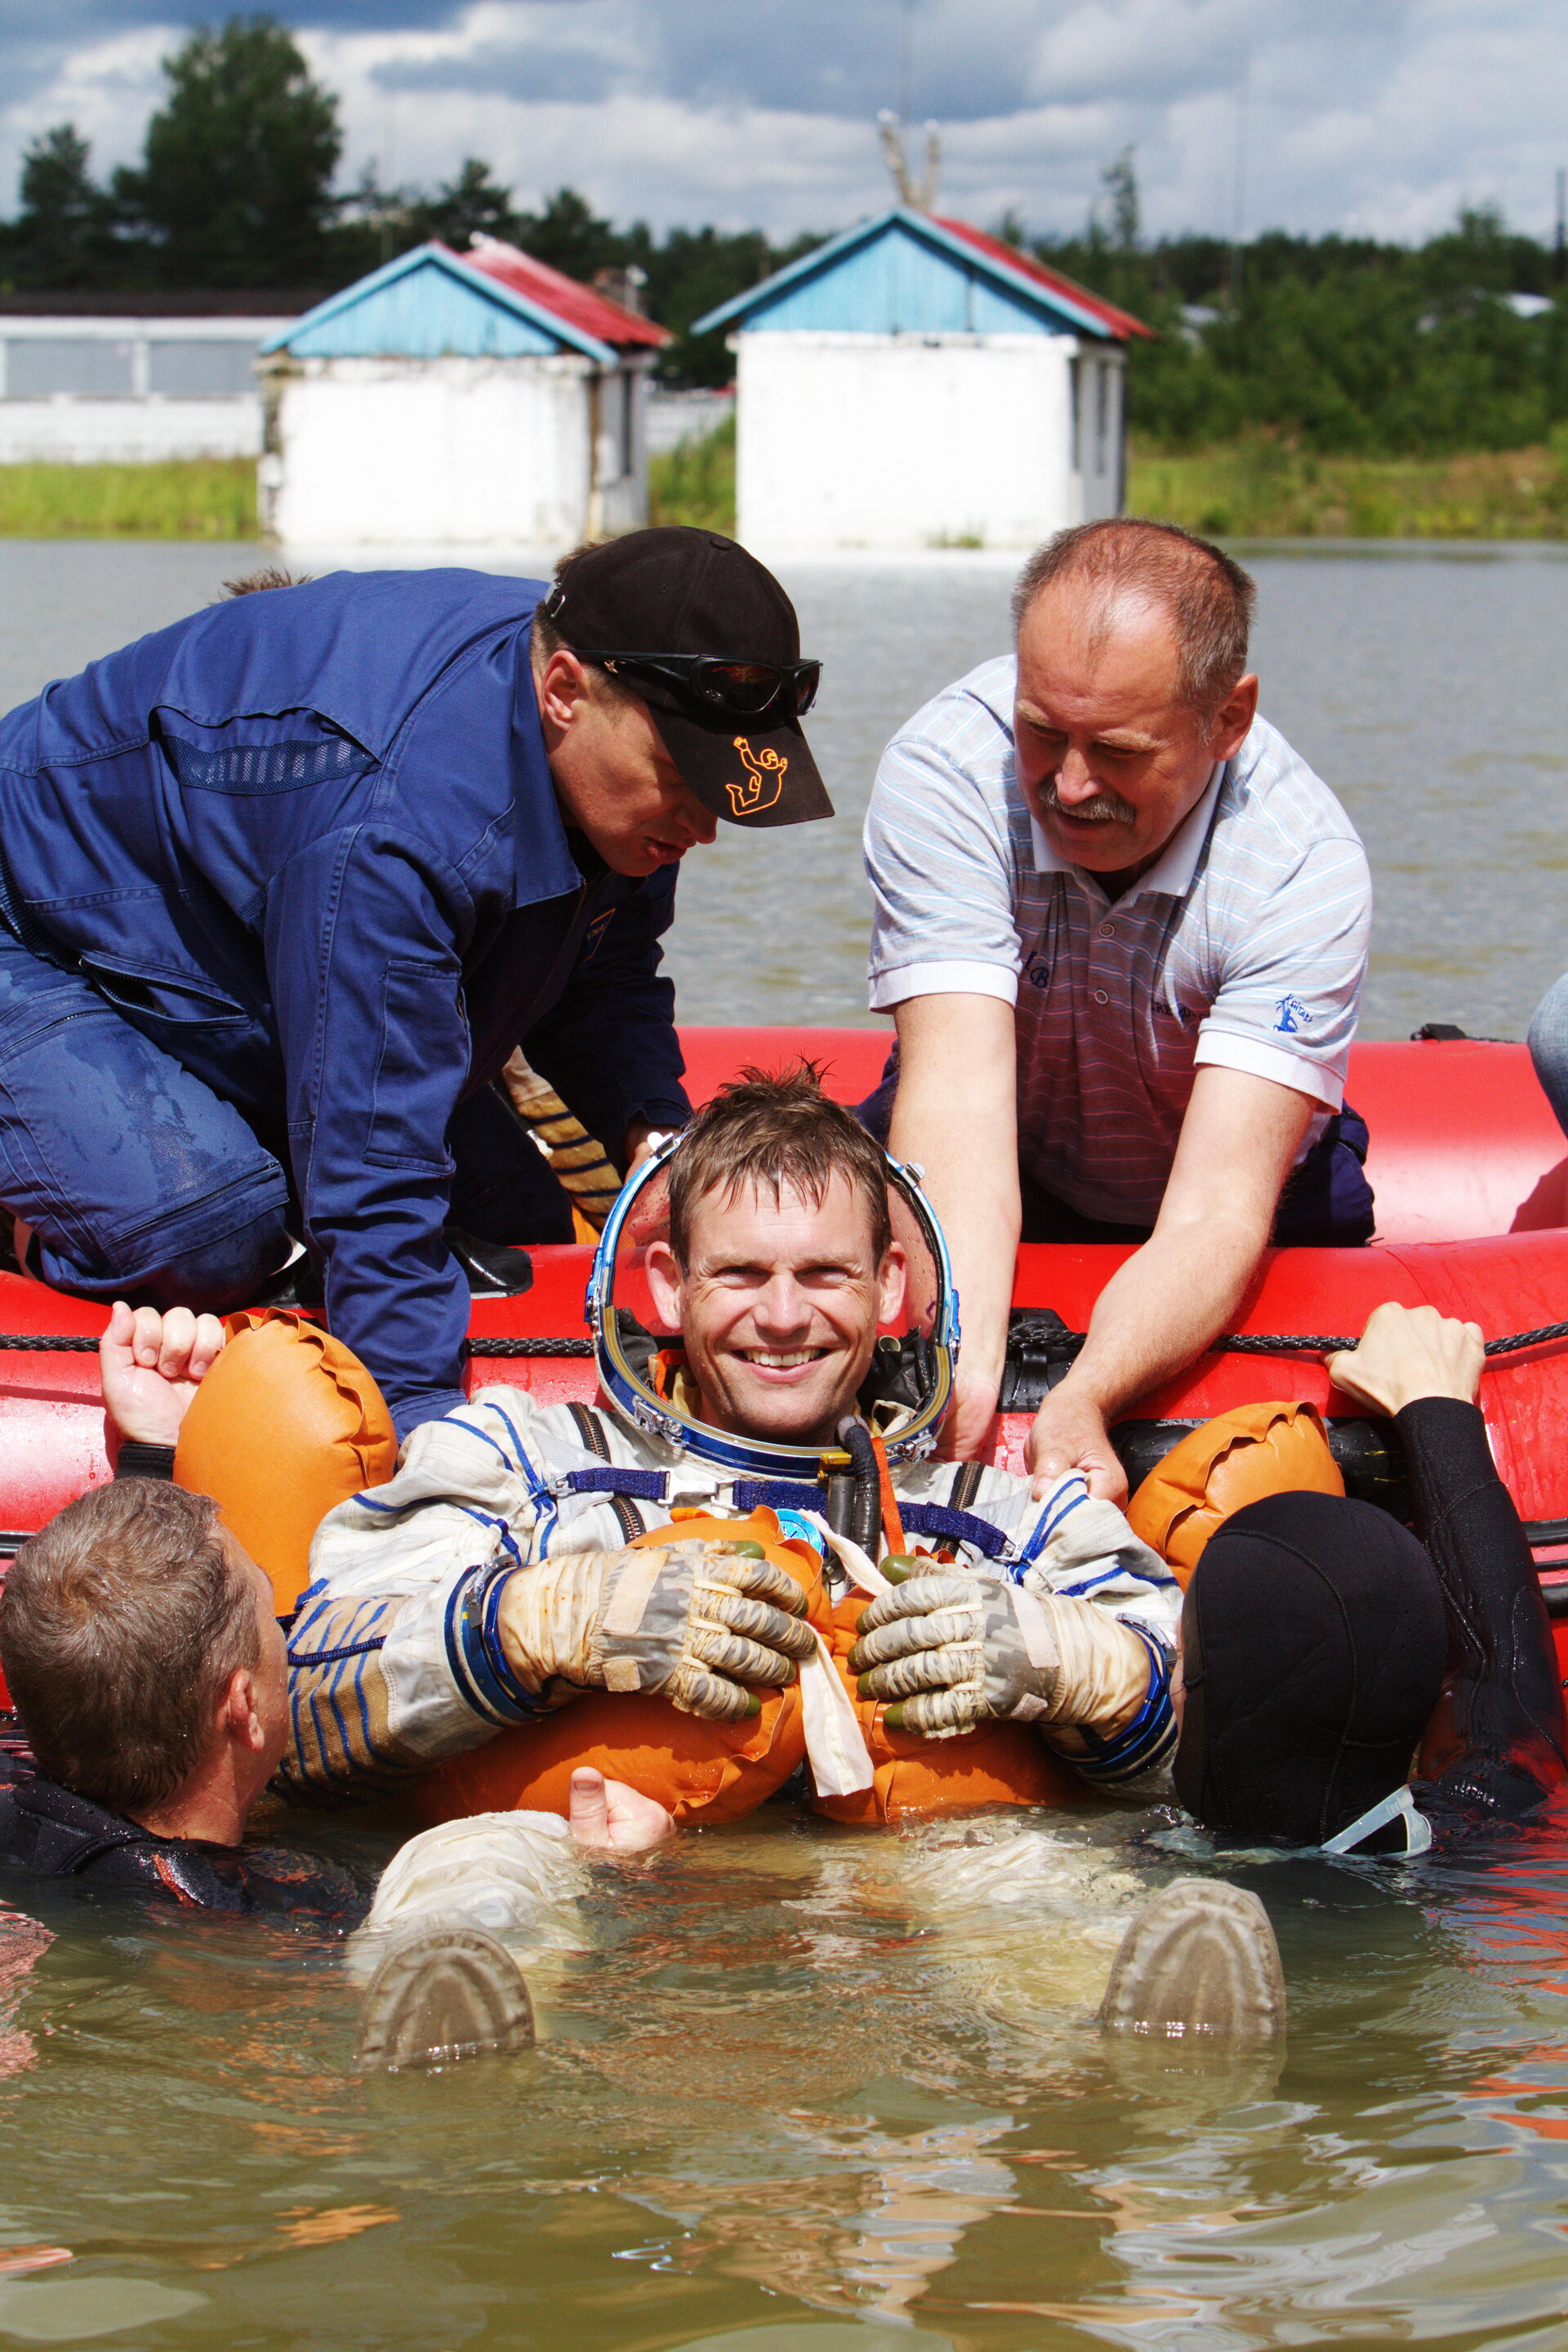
897, 285
424, 314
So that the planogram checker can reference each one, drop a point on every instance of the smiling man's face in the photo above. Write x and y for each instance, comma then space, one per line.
778, 1303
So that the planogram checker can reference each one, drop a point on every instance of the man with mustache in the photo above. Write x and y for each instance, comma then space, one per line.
1123, 930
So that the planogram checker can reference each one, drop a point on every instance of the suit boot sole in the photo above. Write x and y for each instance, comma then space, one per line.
1199, 1962
445, 1994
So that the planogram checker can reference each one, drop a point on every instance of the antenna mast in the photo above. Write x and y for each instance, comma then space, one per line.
919, 194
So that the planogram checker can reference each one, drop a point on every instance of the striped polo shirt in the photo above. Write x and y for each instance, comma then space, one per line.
1243, 945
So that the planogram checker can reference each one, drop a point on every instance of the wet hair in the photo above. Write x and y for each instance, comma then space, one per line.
254, 584
1209, 596
773, 1128
119, 1625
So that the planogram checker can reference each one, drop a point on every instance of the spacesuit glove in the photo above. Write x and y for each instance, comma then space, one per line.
694, 1621
954, 1651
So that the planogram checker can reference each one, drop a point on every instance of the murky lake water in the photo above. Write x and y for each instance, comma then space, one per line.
821, 2090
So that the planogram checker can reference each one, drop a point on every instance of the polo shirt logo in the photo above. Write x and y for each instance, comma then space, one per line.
1037, 972
1292, 1015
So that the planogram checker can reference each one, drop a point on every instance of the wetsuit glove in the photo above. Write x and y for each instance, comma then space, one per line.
954, 1651
694, 1621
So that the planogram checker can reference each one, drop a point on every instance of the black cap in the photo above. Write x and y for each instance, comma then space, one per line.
1313, 1646
674, 589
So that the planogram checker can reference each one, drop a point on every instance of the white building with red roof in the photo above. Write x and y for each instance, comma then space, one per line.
917, 384
471, 399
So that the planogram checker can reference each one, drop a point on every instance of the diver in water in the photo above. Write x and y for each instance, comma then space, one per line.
1325, 1647
1381, 1644
152, 1683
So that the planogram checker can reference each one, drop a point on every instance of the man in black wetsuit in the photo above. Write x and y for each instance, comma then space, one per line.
1323, 1646
151, 1679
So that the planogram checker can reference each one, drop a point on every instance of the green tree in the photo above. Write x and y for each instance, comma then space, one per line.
62, 237
473, 201
1120, 184
570, 235
235, 183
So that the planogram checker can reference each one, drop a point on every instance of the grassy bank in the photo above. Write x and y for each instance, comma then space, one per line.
1252, 488
696, 483
1265, 489
199, 498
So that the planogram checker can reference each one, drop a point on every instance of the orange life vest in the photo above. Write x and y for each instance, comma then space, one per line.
1235, 1459
287, 1423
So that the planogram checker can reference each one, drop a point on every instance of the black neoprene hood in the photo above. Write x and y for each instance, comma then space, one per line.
1314, 1644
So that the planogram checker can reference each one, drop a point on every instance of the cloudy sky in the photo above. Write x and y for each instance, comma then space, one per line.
1373, 115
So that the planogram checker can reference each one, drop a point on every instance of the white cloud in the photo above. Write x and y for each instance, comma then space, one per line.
1377, 119
107, 89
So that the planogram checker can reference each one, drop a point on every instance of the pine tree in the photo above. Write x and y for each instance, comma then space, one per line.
235, 184
61, 237
473, 201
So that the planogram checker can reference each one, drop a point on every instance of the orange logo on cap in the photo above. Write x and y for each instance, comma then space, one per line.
764, 779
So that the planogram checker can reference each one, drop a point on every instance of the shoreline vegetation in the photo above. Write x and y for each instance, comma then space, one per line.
1251, 488
1260, 487
195, 498
1256, 487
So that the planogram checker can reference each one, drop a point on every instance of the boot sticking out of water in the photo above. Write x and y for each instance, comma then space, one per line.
441, 1995
1198, 1965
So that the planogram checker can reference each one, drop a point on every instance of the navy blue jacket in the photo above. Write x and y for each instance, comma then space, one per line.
309, 837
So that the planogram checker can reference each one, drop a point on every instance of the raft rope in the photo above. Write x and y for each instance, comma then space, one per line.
73, 1343
1062, 1342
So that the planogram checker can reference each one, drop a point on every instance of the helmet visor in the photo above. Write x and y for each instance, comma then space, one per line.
908, 1368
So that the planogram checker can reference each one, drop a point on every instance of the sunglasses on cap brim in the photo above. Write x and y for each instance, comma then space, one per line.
743, 689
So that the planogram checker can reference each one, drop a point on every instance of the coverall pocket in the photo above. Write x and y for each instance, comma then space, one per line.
420, 1063
154, 997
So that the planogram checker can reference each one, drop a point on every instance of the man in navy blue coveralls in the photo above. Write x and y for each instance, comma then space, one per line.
282, 886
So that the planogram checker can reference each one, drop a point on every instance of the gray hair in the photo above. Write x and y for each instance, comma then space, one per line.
1209, 596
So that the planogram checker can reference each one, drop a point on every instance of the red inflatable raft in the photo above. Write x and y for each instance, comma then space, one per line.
1471, 1176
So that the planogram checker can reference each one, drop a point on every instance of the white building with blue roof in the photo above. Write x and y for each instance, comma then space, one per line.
917, 384
471, 399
